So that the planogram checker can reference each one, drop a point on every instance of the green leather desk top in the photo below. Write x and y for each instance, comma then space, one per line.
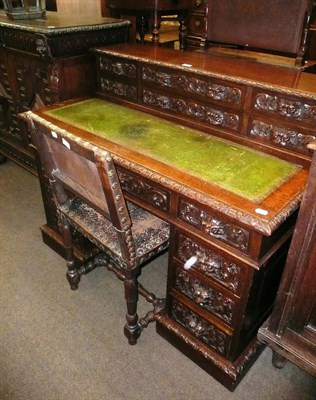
238, 169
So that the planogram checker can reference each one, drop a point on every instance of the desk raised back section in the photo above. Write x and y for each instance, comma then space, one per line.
263, 106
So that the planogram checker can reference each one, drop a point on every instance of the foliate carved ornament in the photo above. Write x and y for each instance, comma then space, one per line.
210, 263
154, 196
192, 109
201, 329
281, 136
118, 68
294, 109
42, 47
232, 370
207, 297
213, 226
118, 88
198, 86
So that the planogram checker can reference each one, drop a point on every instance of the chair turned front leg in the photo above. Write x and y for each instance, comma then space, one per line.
73, 275
132, 329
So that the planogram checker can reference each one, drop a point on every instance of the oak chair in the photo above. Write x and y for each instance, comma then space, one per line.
89, 199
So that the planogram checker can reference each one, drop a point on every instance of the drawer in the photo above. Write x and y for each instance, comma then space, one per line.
117, 67
201, 329
280, 135
144, 191
114, 87
285, 107
211, 264
213, 300
213, 225
212, 116
203, 88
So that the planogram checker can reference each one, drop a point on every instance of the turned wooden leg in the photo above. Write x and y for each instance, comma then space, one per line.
73, 275
132, 329
278, 361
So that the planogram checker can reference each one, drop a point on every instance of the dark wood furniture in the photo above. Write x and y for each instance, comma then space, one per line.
291, 329
89, 199
277, 27
144, 13
236, 247
43, 61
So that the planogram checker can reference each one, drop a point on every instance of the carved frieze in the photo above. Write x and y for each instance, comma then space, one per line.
158, 198
118, 67
47, 47
118, 88
192, 109
213, 226
281, 136
202, 87
205, 296
19, 40
292, 109
201, 329
210, 264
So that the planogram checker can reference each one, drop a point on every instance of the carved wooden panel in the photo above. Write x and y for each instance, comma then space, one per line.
211, 90
211, 264
214, 226
193, 109
205, 296
121, 89
198, 327
148, 192
294, 110
290, 138
118, 67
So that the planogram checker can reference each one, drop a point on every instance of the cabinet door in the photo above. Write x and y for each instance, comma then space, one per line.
303, 321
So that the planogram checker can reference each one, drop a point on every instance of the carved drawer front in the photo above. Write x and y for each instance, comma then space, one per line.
117, 77
210, 264
111, 87
213, 225
201, 329
214, 116
289, 108
147, 192
204, 88
290, 138
117, 67
216, 302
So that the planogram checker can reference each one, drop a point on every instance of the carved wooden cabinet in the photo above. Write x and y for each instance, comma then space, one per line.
43, 62
291, 329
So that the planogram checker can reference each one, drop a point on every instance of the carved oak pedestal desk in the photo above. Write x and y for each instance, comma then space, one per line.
43, 61
225, 164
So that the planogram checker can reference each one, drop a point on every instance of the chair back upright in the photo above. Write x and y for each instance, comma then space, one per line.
278, 26
76, 168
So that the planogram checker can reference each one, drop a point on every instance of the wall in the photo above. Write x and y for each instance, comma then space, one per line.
77, 7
